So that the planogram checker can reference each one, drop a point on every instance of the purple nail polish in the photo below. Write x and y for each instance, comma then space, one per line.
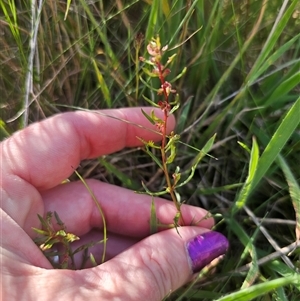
206, 247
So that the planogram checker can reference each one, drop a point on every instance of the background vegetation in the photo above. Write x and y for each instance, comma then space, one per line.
241, 81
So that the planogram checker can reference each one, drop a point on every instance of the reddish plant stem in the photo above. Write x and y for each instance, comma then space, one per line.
162, 81
164, 140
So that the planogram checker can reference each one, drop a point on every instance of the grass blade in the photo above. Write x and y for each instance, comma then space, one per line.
286, 86
152, 22
277, 142
207, 147
244, 193
260, 289
294, 190
153, 218
126, 181
100, 211
102, 84
272, 39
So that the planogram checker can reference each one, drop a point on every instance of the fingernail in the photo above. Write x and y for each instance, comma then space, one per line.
204, 248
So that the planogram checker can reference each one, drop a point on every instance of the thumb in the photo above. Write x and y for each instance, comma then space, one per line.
157, 265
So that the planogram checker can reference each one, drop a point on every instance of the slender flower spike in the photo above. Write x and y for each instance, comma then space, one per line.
168, 147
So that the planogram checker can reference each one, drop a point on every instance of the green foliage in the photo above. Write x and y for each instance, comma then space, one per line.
57, 244
236, 74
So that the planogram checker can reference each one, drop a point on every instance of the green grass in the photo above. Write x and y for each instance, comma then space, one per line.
242, 81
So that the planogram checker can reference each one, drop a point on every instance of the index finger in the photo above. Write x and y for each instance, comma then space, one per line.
46, 153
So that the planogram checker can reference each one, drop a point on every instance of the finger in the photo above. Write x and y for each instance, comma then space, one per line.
17, 246
164, 262
46, 153
126, 212
150, 270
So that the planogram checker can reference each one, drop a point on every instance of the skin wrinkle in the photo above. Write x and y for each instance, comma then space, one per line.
132, 272
159, 279
156, 271
107, 282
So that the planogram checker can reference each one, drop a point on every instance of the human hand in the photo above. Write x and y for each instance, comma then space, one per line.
139, 267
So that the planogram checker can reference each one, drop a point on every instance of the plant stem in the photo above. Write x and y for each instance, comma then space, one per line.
163, 144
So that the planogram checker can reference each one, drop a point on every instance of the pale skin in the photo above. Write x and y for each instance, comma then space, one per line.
139, 266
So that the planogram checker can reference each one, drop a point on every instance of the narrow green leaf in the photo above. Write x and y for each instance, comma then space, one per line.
283, 270
174, 108
151, 102
153, 18
125, 179
153, 218
186, 17
93, 260
253, 271
294, 190
244, 146
183, 116
284, 87
43, 221
249, 250
150, 88
204, 151
40, 231
165, 8
67, 9
148, 117
183, 72
198, 158
244, 193
277, 55
272, 39
58, 220
100, 212
101, 31
103, 87
149, 73
147, 191
277, 142
154, 158
3, 131
172, 155
260, 289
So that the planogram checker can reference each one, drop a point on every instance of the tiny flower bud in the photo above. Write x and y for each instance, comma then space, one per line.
166, 72
138, 40
160, 91
152, 49
165, 48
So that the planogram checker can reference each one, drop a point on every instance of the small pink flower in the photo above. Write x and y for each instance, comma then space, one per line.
152, 49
